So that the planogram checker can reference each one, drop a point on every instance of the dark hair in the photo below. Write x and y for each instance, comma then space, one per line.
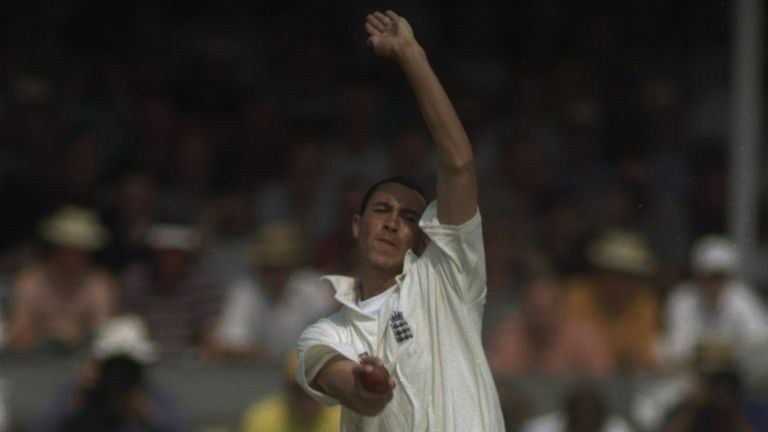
405, 181
104, 407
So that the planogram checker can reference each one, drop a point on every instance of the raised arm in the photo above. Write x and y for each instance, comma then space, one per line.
392, 37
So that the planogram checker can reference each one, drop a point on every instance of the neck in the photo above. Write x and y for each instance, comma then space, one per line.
275, 293
374, 282
65, 277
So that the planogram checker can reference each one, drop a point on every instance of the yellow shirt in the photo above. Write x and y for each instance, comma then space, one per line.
630, 331
273, 415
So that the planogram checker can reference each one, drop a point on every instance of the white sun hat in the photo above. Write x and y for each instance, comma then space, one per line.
75, 227
622, 251
125, 335
278, 244
714, 254
172, 236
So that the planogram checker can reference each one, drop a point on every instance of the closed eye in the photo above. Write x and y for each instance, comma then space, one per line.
411, 216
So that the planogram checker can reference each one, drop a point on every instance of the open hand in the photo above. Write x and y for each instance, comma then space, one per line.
389, 34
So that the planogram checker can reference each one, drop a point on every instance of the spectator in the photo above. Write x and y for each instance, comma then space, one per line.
263, 314
617, 299
129, 218
59, 301
225, 232
303, 193
541, 340
188, 183
565, 226
718, 400
713, 304
358, 150
113, 392
22, 205
506, 253
77, 176
334, 252
517, 404
5, 418
411, 157
2, 320
584, 411
293, 411
172, 293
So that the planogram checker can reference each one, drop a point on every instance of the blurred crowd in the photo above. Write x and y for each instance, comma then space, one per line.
196, 165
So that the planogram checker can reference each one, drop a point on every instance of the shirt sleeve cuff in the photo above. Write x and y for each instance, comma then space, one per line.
312, 361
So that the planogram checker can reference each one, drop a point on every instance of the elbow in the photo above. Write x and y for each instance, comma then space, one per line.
459, 165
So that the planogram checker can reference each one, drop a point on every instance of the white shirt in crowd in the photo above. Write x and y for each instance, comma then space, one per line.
556, 422
738, 318
250, 319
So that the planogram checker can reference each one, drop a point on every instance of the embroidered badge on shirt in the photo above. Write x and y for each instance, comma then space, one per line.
400, 327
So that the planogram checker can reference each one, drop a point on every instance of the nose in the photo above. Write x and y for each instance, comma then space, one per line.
392, 222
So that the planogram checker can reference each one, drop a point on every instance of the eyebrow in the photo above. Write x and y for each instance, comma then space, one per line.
409, 211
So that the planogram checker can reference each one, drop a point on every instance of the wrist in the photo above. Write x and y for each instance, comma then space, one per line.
410, 53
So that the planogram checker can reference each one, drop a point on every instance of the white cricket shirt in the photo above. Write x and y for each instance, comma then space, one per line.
428, 333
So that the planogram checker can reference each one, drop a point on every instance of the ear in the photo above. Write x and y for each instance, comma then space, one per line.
356, 227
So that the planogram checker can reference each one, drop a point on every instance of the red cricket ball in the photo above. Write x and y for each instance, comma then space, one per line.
376, 380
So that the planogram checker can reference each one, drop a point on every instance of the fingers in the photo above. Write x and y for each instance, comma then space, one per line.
380, 21
362, 369
371, 29
368, 364
392, 16
374, 21
371, 361
384, 19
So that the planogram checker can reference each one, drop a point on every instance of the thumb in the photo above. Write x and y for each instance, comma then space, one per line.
362, 369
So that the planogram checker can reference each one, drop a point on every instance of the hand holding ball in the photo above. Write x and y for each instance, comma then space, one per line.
374, 377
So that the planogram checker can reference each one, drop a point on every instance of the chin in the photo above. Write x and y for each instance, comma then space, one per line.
387, 263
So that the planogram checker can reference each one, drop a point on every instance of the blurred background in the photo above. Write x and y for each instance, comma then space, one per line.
174, 175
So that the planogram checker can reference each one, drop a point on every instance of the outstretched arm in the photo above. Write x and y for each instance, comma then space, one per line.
340, 379
392, 37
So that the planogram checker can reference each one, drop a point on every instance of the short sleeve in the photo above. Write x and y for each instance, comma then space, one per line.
319, 343
456, 252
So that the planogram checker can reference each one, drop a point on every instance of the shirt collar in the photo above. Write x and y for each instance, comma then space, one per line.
346, 289
346, 286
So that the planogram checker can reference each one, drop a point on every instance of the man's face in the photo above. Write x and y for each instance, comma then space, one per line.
712, 285
172, 265
73, 260
389, 227
542, 301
